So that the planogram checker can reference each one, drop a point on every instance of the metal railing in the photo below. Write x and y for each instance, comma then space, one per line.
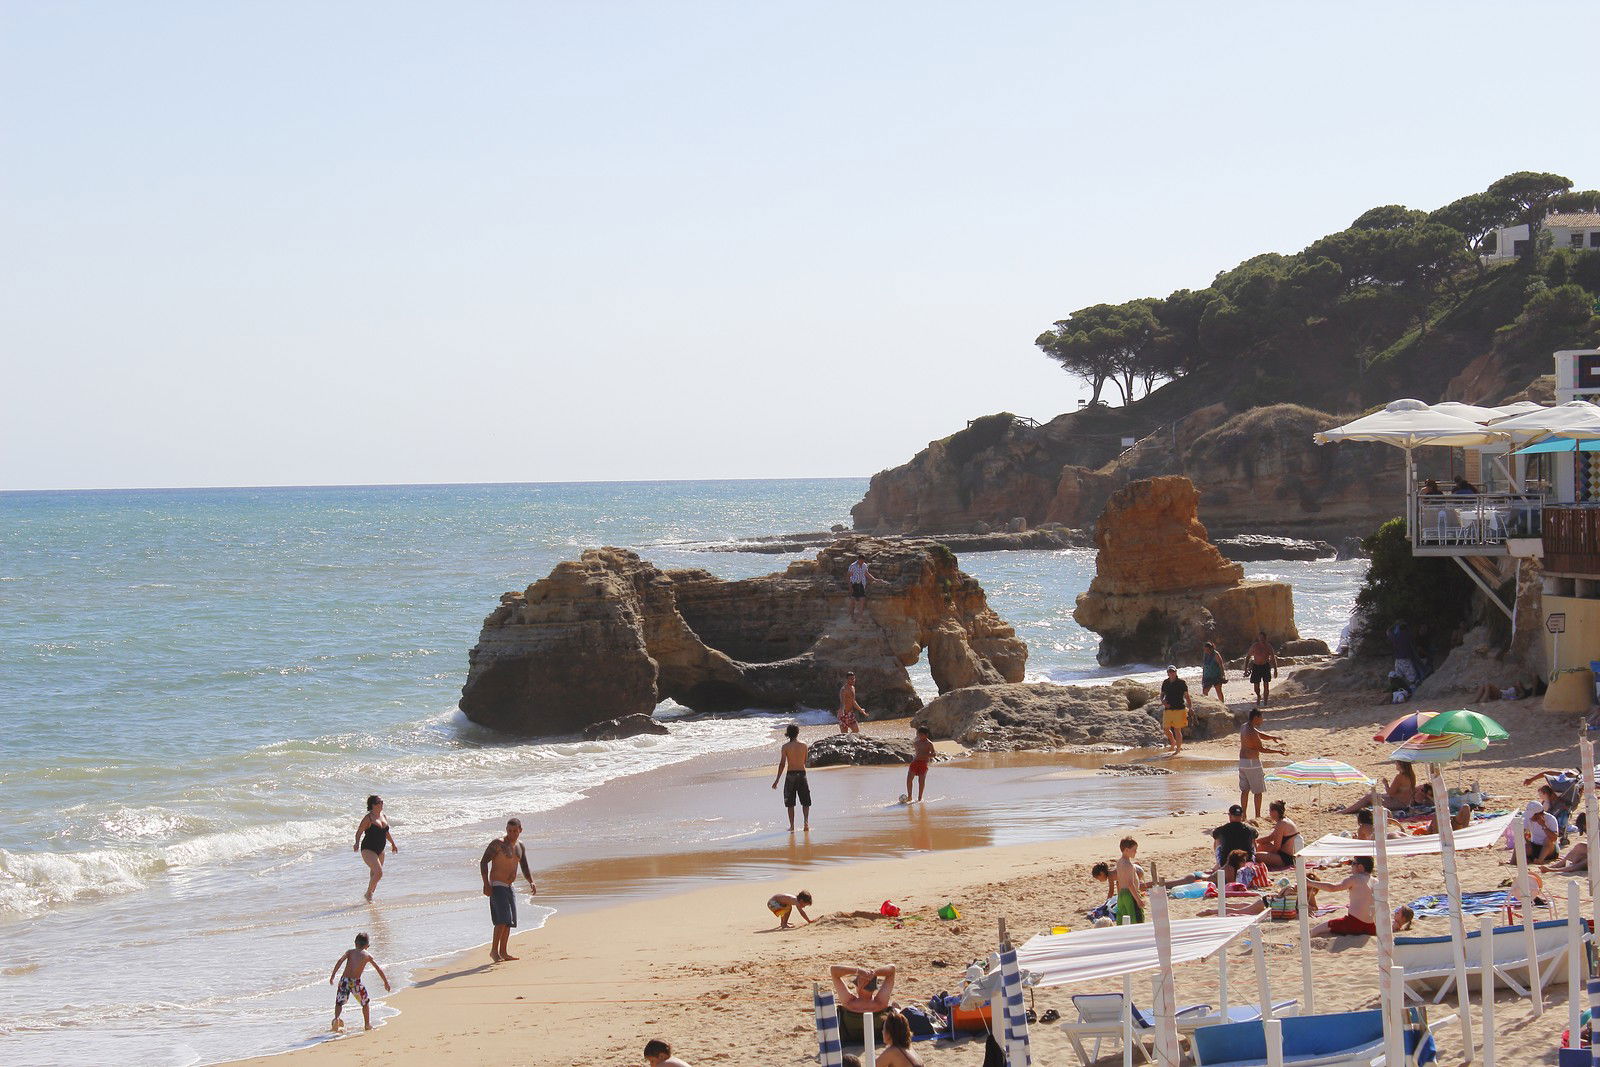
1473, 520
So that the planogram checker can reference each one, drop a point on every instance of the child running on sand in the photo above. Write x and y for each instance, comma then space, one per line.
781, 904
355, 961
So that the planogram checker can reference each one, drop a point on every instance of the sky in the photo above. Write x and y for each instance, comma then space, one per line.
306, 243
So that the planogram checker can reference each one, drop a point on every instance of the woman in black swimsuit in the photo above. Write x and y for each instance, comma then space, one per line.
371, 836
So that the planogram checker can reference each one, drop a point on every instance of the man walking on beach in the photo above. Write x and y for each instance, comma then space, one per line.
848, 708
1175, 708
792, 769
1262, 667
1252, 776
860, 576
499, 869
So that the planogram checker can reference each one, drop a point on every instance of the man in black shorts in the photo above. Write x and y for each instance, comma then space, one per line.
1262, 667
792, 769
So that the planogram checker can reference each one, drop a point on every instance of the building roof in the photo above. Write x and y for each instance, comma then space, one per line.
1577, 220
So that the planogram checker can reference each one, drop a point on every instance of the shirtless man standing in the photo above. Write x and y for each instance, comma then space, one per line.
848, 708
1261, 666
921, 756
499, 869
792, 759
1252, 777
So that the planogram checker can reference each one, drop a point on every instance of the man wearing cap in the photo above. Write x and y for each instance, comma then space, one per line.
1175, 708
1235, 834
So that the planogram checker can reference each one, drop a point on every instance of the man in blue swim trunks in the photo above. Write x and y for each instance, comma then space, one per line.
499, 869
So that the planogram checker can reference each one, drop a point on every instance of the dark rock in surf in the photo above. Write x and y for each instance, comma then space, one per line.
627, 726
858, 750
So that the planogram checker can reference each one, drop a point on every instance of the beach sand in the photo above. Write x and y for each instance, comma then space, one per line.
707, 970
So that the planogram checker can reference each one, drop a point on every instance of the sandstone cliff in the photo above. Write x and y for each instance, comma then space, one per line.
610, 635
1258, 472
1161, 588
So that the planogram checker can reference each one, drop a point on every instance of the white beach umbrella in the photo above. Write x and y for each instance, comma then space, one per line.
1521, 407
1470, 412
1574, 414
1411, 424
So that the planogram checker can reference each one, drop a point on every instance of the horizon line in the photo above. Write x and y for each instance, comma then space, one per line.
422, 485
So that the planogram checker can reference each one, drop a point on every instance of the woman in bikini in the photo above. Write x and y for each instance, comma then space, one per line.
371, 835
1399, 792
1278, 849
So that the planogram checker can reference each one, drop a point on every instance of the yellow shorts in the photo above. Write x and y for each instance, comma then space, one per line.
1175, 718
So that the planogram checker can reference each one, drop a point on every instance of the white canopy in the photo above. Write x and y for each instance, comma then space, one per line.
1470, 412
1480, 834
1113, 951
1411, 424
1573, 415
1521, 407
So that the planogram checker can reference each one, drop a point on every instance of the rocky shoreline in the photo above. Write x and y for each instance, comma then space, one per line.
1241, 548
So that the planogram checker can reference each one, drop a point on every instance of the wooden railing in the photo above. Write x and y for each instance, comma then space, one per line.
1572, 539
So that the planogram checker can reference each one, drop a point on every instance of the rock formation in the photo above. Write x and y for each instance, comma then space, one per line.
1260, 470
610, 635
858, 750
627, 726
1161, 588
1043, 715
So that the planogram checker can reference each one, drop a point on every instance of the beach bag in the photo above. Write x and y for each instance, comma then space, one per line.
949, 912
921, 1025
1283, 906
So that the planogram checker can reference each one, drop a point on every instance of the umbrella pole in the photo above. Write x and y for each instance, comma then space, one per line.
1304, 910
1529, 938
1166, 1022
1222, 953
1452, 886
1392, 1037
1127, 1010
1486, 978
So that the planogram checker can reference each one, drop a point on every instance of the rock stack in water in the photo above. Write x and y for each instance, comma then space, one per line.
610, 635
1161, 588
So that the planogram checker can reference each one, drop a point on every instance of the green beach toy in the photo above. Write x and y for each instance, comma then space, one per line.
949, 912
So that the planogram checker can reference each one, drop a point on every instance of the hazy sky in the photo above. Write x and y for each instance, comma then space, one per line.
289, 243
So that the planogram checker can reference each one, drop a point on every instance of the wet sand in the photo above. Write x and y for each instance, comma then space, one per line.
706, 968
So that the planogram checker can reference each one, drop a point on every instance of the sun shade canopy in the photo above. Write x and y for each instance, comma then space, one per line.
1411, 424
1574, 415
1113, 951
1480, 834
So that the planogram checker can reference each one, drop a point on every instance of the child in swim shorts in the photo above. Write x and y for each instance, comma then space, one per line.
781, 904
354, 962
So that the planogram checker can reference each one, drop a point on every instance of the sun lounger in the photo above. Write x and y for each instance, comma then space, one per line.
1342, 1039
1428, 960
1100, 1018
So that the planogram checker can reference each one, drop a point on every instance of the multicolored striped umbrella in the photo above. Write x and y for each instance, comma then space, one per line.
1462, 721
1440, 748
1403, 727
1319, 771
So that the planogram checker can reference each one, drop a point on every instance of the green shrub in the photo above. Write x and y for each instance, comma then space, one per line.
1418, 589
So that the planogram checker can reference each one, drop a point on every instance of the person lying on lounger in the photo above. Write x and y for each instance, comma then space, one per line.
1359, 918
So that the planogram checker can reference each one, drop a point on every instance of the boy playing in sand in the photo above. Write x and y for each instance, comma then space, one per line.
354, 962
658, 1053
1130, 883
781, 904
1359, 919
921, 756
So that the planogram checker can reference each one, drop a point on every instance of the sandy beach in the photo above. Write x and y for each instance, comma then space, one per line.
706, 969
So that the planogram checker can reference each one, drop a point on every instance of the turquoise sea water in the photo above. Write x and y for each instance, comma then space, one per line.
198, 687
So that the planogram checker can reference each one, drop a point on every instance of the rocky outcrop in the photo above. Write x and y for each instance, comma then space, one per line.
1260, 470
609, 635
1248, 548
858, 750
1161, 588
1043, 715
627, 726
1049, 537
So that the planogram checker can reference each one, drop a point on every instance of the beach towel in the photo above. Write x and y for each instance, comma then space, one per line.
1483, 903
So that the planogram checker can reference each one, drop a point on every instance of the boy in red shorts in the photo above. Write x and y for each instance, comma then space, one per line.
921, 756
1359, 919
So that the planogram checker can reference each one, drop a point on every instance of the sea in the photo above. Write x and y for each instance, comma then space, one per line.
198, 689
